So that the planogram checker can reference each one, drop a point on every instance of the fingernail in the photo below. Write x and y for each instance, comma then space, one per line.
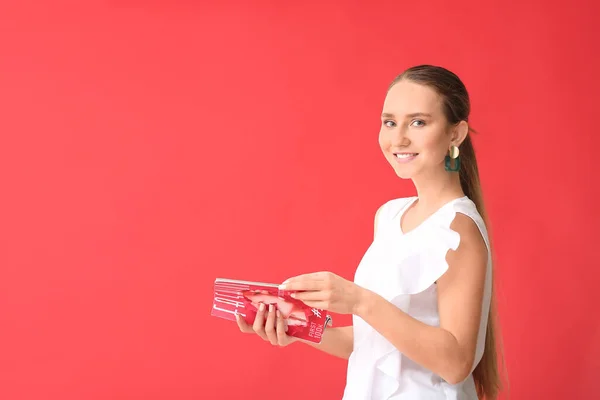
270, 307
282, 287
262, 307
293, 295
278, 314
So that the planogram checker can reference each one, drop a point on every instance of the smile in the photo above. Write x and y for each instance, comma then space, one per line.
405, 157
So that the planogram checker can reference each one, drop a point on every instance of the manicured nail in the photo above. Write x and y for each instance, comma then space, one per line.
270, 307
293, 295
262, 307
278, 314
282, 287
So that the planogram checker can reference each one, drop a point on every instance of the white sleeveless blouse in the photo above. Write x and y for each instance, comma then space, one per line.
403, 268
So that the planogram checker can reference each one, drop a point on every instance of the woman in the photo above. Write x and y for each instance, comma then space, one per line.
421, 300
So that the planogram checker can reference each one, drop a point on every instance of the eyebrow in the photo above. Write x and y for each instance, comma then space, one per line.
413, 115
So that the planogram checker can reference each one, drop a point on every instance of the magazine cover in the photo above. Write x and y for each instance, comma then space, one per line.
233, 297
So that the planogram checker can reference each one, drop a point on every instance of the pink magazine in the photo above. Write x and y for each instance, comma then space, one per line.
233, 297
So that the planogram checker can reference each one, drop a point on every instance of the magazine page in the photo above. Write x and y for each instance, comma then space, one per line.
233, 297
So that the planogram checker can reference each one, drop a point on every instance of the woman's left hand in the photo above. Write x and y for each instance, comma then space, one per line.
326, 291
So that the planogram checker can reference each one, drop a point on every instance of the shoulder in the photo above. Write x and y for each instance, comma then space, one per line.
470, 234
472, 251
390, 208
394, 205
461, 235
470, 226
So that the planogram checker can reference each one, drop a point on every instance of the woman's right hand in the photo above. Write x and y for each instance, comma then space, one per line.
272, 330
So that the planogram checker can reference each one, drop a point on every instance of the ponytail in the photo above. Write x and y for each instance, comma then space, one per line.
486, 375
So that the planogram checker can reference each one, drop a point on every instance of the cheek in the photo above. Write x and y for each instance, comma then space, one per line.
430, 142
434, 146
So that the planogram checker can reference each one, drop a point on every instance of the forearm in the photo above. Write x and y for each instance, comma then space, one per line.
336, 341
431, 347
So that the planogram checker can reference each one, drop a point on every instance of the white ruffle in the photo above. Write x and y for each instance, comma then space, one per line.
411, 263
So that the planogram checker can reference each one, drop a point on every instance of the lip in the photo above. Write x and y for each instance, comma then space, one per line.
405, 160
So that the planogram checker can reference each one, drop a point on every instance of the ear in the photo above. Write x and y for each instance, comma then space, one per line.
459, 133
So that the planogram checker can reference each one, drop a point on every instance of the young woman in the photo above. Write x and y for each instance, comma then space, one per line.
421, 300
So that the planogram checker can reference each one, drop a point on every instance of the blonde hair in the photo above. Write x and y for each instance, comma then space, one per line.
457, 108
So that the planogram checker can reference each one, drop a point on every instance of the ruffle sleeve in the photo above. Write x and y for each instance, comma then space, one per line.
410, 263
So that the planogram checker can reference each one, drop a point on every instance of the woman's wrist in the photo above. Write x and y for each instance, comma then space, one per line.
364, 303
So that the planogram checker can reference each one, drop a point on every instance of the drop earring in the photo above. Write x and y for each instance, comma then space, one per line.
453, 155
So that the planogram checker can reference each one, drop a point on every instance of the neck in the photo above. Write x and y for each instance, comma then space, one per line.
437, 188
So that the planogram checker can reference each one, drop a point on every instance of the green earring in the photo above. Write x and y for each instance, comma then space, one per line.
452, 155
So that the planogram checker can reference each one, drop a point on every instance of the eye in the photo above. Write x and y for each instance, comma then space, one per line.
389, 123
420, 121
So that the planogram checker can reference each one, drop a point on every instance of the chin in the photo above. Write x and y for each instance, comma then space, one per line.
404, 175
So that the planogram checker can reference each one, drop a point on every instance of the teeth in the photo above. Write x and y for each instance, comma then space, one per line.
406, 155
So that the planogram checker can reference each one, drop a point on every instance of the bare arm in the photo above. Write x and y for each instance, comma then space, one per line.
449, 349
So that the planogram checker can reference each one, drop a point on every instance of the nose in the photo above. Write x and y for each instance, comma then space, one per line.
399, 138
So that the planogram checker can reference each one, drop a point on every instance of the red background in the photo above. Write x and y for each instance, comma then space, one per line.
151, 146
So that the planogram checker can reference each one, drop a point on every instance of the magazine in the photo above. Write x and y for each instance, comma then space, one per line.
243, 298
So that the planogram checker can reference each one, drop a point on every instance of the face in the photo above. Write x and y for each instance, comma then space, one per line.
415, 135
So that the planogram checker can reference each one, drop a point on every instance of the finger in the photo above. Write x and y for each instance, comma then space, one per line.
304, 283
315, 276
313, 295
270, 326
242, 324
259, 322
281, 329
